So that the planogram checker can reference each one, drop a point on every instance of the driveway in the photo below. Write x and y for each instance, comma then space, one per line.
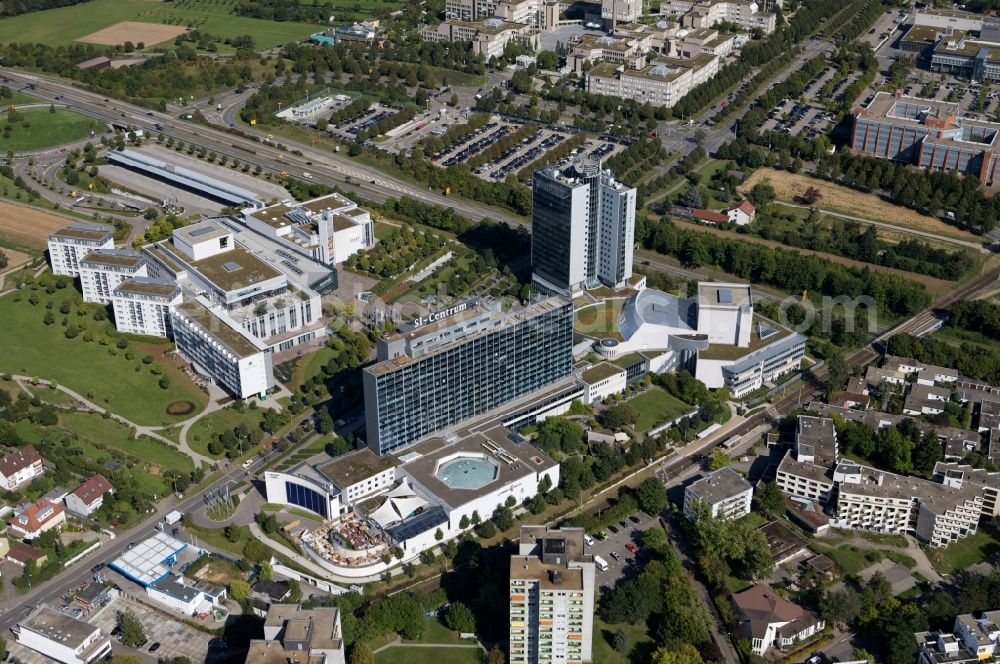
616, 543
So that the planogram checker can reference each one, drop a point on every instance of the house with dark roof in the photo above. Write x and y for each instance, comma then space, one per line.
20, 467
22, 554
89, 496
768, 620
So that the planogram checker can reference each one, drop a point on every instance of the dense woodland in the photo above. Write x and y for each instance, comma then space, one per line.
15, 7
981, 316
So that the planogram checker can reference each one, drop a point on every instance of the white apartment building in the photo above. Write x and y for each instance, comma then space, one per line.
489, 37
875, 500
962, 476
804, 480
620, 11
143, 305
583, 228
661, 83
61, 637
222, 350
552, 585
19, 467
726, 493
103, 270
706, 13
971, 640
329, 229
538, 14
68, 246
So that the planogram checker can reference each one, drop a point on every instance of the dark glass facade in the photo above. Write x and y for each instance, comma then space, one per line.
469, 378
551, 228
306, 498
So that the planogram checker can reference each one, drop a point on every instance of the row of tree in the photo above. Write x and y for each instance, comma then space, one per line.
787, 270
17, 7
980, 316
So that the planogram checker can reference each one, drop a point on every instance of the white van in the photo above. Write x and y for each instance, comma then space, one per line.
589, 540
601, 563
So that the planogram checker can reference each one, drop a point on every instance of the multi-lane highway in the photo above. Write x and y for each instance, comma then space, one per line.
324, 166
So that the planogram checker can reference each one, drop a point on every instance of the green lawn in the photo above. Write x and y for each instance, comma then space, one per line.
39, 128
435, 632
965, 552
850, 559
18, 98
656, 407
604, 636
67, 24
111, 433
411, 655
211, 425
599, 320
27, 431
32, 348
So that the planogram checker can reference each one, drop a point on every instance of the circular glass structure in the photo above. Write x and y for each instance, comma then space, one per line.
467, 472
609, 342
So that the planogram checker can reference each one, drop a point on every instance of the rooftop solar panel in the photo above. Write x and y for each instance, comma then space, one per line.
201, 231
725, 296
231, 266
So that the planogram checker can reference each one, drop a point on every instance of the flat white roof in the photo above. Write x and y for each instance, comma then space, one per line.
148, 561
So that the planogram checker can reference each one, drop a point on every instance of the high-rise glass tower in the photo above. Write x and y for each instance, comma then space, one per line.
583, 228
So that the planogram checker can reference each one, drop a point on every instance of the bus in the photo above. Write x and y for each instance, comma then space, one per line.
731, 443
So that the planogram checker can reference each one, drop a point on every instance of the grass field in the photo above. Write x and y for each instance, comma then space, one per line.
41, 129
32, 348
656, 407
206, 428
422, 655
965, 552
18, 98
111, 433
842, 199
68, 24
639, 642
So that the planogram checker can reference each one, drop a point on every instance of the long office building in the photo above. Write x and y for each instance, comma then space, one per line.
552, 585
928, 133
460, 363
583, 228
232, 357
68, 246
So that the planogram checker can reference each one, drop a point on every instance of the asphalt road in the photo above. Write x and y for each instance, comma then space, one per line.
11, 610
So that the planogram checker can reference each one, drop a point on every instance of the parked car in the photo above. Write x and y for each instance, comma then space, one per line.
614, 554
154, 647
631, 547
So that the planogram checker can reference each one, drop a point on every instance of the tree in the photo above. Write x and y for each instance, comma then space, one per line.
463, 523
762, 193
619, 641
361, 655
685, 653
495, 656
652, 496
718, 459
133, 634
837, 372
812, 195
438, 535
619, 416
771, 499
862, 655
460, 618
691, 197
256, 552
239, 590
265, 571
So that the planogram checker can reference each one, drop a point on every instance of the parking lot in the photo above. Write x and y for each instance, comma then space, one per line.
375, 113
522, 154
471, 145
175, 638
800, 119
618, 537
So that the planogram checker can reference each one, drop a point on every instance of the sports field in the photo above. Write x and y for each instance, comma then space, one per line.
28, 226
68, 24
